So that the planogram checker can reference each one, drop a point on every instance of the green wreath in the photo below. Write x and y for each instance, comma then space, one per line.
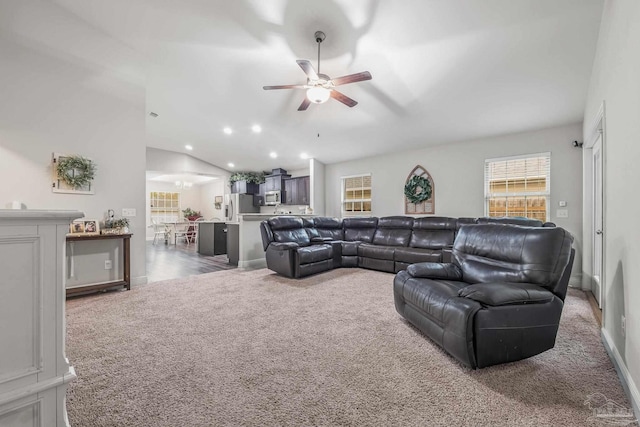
411, 189
75, 171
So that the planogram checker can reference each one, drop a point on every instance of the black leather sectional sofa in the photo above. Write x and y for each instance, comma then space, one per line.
297, 247
486, 291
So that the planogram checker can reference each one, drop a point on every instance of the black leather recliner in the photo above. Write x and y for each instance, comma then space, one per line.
293, 248
499, 300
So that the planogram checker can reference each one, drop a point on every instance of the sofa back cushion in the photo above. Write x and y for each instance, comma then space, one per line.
433, 232
329, 227
514, 220
512, 253
360, 229
289, 229
310, 227
393, 231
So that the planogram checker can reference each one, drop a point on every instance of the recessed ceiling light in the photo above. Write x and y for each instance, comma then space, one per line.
273, 154
256, 128
304, 156
227, 130
188, 147
231, 165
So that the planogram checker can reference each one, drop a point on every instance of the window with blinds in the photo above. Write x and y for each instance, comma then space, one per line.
518, 186
165, 206
356, 195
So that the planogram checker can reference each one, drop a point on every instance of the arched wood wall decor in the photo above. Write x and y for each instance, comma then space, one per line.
427, 206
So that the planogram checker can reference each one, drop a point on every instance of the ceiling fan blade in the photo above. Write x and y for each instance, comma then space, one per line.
305, 104
343, 98
284, 87
308, 69
351, 78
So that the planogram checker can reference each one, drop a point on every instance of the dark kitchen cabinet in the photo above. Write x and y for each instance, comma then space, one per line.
297, 191
244, 187
291, 191
275, 182
303, 193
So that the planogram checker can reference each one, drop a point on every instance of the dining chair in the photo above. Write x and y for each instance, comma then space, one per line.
159, 230
182, 231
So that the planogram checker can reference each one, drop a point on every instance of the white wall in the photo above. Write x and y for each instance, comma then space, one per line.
616, 81
458, 174
63, 91
317, 185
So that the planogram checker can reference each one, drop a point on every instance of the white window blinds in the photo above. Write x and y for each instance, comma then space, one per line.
518, 186
356, 195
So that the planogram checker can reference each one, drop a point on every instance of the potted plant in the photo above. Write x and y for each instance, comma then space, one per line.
190, 214
116, 226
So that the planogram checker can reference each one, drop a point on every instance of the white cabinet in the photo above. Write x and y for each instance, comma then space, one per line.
34, 370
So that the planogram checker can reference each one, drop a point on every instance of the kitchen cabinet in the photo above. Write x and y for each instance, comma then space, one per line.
244, 187
212, 238
275, 182
297, 191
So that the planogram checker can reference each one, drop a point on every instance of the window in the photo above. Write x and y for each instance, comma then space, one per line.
356, 195
518, 186
165, 206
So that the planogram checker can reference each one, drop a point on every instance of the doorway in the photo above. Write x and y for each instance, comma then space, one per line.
597, 223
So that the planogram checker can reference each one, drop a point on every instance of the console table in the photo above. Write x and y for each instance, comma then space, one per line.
126, 262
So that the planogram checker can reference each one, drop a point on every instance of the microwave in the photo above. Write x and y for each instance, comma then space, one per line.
272, 198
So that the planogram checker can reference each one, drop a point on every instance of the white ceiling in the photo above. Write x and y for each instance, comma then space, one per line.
443, 71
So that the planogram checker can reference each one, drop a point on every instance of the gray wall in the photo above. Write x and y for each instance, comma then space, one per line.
458, 174
616, 81
61, 93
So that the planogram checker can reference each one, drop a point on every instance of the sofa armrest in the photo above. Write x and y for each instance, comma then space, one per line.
284, 246
435, 270
502, 293
320, 240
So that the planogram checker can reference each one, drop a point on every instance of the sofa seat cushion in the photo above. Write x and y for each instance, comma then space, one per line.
350, 248
315, 253
415, 255
368, 250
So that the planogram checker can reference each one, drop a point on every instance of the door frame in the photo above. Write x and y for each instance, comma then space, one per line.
596, 131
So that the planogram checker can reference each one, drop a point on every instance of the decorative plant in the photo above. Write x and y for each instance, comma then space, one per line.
121, 223
411, 189
75, 171
250, 177
190, 214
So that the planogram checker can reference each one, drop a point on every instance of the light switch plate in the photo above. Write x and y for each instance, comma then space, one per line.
128, 212
562, 213
562, 203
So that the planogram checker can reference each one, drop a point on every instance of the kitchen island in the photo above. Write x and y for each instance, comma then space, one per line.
244, 242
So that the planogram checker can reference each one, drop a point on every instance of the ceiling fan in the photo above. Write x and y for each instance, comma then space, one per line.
321, 87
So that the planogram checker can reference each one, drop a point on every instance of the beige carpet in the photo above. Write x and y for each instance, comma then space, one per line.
250, 348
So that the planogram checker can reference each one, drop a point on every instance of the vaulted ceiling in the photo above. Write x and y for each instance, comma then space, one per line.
443, 71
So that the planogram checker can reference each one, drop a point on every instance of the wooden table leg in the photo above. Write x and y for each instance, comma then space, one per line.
126, 252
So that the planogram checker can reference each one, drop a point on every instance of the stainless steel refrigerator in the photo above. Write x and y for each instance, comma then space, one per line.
239, 204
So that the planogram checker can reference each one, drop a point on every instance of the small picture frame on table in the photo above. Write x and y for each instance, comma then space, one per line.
77, 227
85, 226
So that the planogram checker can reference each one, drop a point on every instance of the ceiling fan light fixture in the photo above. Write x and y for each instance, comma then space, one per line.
318, 94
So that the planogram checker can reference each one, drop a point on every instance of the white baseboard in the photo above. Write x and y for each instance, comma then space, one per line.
575, 281
253, 263
623, 373
141, 280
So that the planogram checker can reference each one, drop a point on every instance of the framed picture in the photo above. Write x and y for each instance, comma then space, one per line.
85, 226
91, 226
77, 227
